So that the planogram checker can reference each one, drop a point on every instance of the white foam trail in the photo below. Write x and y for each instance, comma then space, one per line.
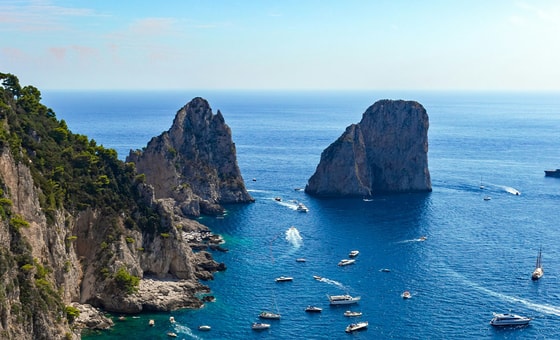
187, 331
333, 282
547, 309
293, 236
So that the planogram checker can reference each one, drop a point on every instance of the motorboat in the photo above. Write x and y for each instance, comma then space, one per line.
507, 319
346, 262
269, 315
422, 238
260, 326
343, 299
204, 328
406, 295
278, 199
171, 334
487, 198
352, 314
301, 259
385, 270
354, 253
284, 278
313, 309
171, 319
317, 277
151, 322
538, 272
301, 207
356, 326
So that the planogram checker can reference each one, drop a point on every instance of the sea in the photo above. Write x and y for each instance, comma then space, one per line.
461, 256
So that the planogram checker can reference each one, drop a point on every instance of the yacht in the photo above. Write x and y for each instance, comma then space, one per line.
284, 278
313, 309
343, 299
352, 314
301, 207
269, 315
354, 253
259, 326
346, 262
356, 326
507, 319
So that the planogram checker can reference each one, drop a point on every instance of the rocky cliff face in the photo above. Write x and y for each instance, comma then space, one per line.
387, 152
81, 230
194, 162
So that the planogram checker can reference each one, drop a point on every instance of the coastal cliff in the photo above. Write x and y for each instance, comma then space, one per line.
82, 232
386, 152
194, 162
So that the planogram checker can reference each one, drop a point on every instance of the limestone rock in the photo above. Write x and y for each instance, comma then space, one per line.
194, 162
387, 152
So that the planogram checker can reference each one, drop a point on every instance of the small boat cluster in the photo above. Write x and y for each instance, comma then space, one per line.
344, 299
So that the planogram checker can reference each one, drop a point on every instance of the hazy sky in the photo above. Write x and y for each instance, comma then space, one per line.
283, 44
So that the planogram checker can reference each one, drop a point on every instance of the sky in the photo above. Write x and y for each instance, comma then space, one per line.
479, 45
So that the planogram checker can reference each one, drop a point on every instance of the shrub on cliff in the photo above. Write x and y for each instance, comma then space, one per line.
126, 281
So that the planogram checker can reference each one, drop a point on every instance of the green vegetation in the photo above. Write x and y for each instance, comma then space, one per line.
72, 171
127, 282
72, 313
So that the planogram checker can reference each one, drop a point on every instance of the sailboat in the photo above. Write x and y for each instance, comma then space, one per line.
538, 272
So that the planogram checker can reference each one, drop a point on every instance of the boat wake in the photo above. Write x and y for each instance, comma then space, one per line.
542, 308
333, 283
293, 237
511, 190
186, 331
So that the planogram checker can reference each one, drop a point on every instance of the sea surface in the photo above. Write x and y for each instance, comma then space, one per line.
478, 254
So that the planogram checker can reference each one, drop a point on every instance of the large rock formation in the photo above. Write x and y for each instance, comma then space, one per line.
194, 162
387, 152
81, 230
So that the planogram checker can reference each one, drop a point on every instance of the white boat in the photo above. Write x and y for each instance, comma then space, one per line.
343, 299
301, 259
171, 319
259, 326
354, 253
317, 277
356, 326
313, 309
151, 322
406, 295
352, 314
284, 278
172, 335
302, 208
204, 328
538, 272
346, 262
487, 198
269, 315
508, 319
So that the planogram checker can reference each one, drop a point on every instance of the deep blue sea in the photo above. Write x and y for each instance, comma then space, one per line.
476, 260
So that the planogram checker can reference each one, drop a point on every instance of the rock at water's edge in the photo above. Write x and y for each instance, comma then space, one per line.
387, 152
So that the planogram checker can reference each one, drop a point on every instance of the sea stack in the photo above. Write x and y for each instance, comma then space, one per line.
386, 152
194, 162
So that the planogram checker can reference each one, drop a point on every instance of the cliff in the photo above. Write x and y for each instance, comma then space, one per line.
82, 231
386, 152
194, 162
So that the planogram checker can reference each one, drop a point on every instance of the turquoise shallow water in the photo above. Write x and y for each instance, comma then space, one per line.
478, 254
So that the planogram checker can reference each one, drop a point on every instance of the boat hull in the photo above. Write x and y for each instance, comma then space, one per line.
501, 320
